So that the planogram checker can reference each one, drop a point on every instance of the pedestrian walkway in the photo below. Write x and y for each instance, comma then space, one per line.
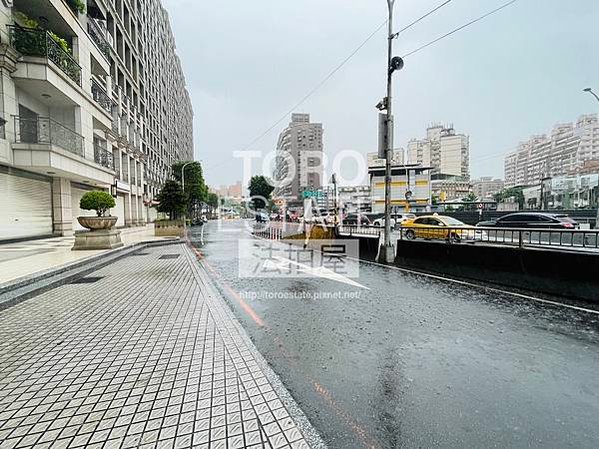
29, 257
141, 353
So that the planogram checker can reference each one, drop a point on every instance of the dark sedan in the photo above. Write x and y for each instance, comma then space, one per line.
531, 220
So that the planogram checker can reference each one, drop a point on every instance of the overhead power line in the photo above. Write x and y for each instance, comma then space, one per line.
339, 67
478, 19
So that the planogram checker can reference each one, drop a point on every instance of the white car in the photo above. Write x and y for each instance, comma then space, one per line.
396, 220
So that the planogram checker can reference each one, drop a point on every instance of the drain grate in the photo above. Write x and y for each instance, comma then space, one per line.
140, 254
169, 256
87, 280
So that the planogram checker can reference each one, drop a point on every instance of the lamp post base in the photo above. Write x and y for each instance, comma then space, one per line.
386, 254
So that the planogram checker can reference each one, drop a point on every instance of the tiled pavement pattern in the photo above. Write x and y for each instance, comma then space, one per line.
147, 356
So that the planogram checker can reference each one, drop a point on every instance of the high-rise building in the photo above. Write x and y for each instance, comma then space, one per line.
93, 97
567, 150
442, 149
397, 158
487, 186
299, 164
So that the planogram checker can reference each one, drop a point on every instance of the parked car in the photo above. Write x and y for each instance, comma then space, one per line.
532, 220
357, 220
396, 220
262, 217
439, 227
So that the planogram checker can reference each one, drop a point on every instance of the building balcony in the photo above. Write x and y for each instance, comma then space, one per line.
45, 146
39, 43
102, 98
103, 157
45, 131
99, 36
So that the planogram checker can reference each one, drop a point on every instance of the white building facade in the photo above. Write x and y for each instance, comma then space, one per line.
442, 149
299, 159
568, 149
93, 97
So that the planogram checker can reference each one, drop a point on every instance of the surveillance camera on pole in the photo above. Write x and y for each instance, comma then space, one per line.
387, 250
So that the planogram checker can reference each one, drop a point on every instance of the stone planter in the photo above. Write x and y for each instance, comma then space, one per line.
169, 228
100, 236
97, 223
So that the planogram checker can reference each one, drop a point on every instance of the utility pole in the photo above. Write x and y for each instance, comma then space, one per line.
387, 251
589, 90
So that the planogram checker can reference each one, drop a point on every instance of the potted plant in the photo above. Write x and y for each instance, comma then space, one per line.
101, 202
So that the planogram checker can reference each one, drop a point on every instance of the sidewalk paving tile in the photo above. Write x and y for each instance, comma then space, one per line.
146, 356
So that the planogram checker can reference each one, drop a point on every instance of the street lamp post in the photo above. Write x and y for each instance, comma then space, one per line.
589, 90
387, 252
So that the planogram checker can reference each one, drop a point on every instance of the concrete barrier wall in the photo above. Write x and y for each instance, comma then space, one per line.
565, 273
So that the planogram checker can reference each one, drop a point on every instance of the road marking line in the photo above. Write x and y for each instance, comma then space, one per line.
472, 284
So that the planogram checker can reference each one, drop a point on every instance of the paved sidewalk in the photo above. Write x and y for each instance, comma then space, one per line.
142, 353
32, 256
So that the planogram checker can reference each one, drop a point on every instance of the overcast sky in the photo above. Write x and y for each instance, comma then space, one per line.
514, 74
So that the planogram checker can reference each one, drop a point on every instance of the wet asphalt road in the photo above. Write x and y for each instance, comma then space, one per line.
416, 362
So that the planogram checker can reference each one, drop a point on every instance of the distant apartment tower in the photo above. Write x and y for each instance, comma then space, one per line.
397, 158
442, 149
299, 164
93, 97
486, 187
569, 149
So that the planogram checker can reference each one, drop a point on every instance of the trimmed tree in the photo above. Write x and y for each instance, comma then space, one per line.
260, 190
97, 200
172, 200
195, 186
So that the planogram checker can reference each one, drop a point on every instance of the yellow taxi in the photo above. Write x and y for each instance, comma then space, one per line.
438, 227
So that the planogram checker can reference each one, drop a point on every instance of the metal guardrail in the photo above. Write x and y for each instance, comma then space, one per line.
35, 42
538, 237
44, 130
98, 34
103, 157
101, 97
367, 231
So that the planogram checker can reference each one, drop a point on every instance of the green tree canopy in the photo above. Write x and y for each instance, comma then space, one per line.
97, 200
172, 199
260, 190
470, 198
511, 192
212, 199
195, 186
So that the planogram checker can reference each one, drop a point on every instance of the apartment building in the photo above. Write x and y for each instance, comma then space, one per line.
410, 188
486, 187
92, 97
299, 159
442, 149
397, 158
569, 149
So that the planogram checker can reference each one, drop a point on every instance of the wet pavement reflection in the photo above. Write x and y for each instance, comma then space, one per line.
411, 361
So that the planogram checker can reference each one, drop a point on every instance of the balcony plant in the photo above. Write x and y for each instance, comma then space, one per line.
76, 6
101, 202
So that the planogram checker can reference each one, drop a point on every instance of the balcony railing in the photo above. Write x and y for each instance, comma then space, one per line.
103, 157
34, 42
44, 130
98, 35
101, 97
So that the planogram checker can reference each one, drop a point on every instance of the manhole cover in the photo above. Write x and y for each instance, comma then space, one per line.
87, 280
169, 256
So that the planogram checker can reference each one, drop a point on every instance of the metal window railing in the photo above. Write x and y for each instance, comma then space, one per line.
103, 157
34, 42
44, 130
101, 97
531, 237
98, 34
